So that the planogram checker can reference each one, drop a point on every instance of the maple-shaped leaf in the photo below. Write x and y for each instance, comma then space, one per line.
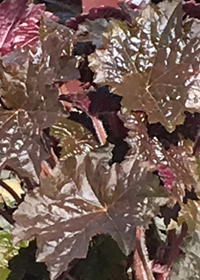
19, 24
151, 64
65, 213
57, 44
74, 138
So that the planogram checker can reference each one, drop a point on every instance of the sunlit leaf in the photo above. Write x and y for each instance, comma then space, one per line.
74, 138
189, 213
7, 252
19, 24
5, 196
105, 202
151, 64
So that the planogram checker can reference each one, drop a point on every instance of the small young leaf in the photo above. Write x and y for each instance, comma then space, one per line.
74, 138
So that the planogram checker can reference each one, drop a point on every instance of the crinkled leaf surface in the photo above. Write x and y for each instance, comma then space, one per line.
65, 220
74, 138
32, 106
19, 24
151, 64
187, 265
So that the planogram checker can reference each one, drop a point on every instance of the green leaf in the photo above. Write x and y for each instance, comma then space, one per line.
104, 261
7, 251
24, 265
190, 213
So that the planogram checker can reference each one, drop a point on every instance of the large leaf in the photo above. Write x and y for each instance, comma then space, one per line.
64, 213
151, 64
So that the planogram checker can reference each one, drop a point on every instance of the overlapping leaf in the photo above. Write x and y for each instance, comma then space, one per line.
7, 251
151, 64
64, 214
175, 167
187, 265
19, 24
74, 138
32, 105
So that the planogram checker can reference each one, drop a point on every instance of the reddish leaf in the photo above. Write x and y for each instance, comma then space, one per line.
88, 4
192, 9
19, 24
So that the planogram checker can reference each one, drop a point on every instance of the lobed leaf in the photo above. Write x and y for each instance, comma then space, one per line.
151, 64
65, 213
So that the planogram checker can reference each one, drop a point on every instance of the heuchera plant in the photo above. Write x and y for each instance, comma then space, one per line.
100, 119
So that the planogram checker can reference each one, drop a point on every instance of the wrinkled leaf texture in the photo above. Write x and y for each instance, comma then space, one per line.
64, 214
33, 106
151, 64
19, 24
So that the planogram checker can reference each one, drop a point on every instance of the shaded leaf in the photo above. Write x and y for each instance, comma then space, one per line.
24, 266
65, 220
103, 255
62, 9
150, 66
74, 138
